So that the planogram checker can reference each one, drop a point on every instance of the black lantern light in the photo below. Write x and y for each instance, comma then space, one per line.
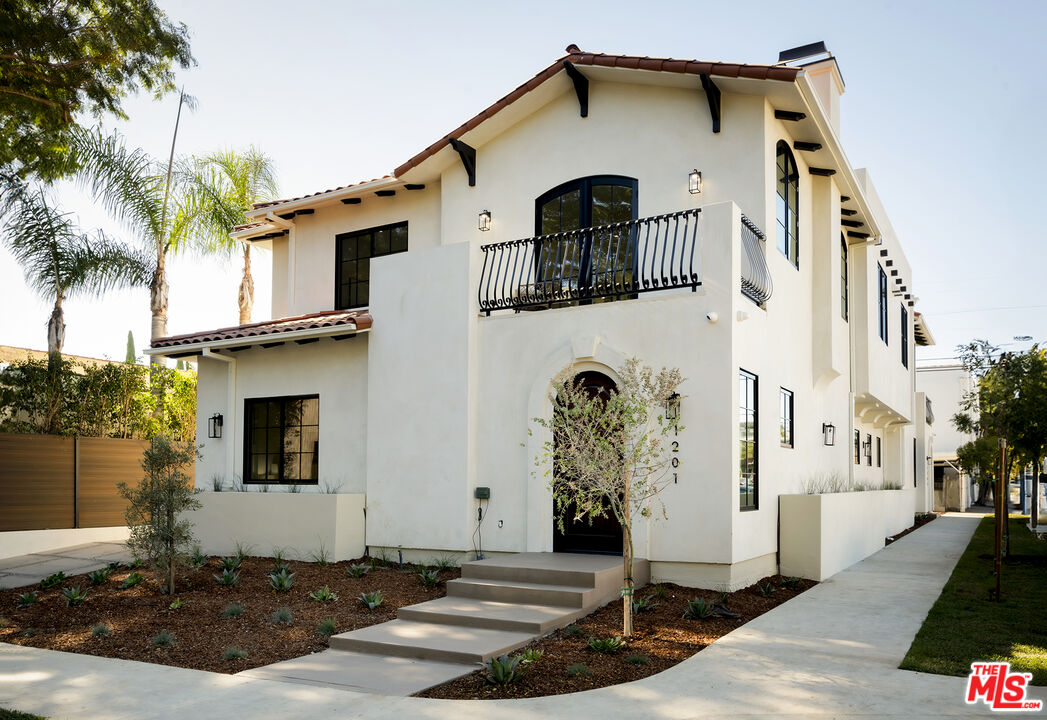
484, 222
214, 426
694, 182
828, 433
672, 407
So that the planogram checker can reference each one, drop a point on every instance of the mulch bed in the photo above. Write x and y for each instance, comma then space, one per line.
136, 615
921, 520
661, 635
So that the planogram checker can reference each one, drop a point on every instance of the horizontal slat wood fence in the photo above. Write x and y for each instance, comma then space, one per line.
50, 482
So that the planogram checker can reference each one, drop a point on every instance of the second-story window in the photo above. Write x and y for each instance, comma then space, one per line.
785, 417
788, 206
353, 253
844, 290
905, 337
883, 303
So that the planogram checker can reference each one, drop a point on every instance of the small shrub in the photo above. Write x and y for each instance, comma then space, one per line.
163, 639
52, 581
643, 604
113, 566
243, 551
131, 580
321, 556
279, 556
429, 578
444, 563
99, 577
281, 566
30, 632
330, 488
324, 594
230, 563
379, 561
176, 604
217, 482
637, 659
371, 600
504, 670
74, 596
134, 564
607, 646
233, 610
358, 571
282, 616
234, 653
228, 578
26, 599
766, 590
327, 627
791, 582
531, 656
698, 609
578, 669
660, 592
294, 488
197, 559
282, 580
101, 629
573, 630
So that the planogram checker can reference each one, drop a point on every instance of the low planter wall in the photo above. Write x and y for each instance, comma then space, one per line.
297, 523
24, 542
823, 534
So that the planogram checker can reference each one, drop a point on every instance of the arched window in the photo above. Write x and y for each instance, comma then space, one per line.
788, 204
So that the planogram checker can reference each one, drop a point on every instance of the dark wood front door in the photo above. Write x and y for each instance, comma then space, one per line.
602, 535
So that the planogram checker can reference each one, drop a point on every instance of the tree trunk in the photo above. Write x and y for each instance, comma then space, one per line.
170, 548
158, 303
246, 297
56, 329
627, 561
55, 342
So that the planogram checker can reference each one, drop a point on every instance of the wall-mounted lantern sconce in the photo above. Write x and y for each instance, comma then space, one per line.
214, 426
694, 182
672, 407
867, 447
828, 433
485, 221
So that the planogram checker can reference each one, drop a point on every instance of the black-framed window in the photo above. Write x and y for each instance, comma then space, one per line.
785, 417
857, 447
879, 456
883, 302
352, 261
868, 449
589, 259
844, 280
788, 207
905, 337
748, 427
282, 440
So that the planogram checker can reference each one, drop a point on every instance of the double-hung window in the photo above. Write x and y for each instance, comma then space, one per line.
748, 469
883, 303
282, 440
785, 417
353, 253
788, 204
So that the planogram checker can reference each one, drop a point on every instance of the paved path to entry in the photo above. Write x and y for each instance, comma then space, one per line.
831, 652
25, 570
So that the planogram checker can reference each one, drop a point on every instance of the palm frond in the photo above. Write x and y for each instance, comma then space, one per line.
39, 237
99, 264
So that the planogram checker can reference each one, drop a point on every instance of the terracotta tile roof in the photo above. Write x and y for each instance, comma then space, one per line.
577, 57
258, 206
358, 319
248, 226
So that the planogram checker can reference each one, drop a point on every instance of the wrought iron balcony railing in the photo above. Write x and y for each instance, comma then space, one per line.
756, 278
607, 262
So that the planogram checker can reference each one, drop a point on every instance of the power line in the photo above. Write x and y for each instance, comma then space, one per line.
996, 309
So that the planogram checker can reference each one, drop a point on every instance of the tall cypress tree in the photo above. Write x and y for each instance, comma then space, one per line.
129, 358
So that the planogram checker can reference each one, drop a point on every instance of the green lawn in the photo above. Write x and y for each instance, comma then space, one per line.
965, 626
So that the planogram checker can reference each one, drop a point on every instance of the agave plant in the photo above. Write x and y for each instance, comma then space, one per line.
228, 578
230, 563
371, 600
74, 596
51, 581
607, 646
131, 580
504, 670
698, 609
100, 577
281, 580
26, 599
358, 570
429, 578
324, 594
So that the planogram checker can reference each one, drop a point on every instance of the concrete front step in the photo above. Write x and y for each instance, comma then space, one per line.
431, 641
523, 592
469, 612
546, 568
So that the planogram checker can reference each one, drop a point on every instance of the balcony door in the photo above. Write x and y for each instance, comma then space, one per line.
589, 265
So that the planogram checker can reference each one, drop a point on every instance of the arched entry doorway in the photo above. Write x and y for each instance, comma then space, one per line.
604, 535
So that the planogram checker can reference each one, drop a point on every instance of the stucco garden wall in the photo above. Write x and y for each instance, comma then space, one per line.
823, 534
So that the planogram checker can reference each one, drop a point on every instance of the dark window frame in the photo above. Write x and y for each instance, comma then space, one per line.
282, 399
905, 337
857, 447
879, 452
883, 303
338, 259
845, 291
868, 445
753, 484
789, 224
786, 417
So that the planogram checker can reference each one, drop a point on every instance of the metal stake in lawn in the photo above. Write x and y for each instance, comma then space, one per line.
1000, 507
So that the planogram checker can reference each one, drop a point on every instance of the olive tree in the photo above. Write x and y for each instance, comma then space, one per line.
608, 454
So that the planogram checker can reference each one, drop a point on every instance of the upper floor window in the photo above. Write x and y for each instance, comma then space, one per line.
883, 303
844, 289
353, 253
788, 204
905, 337
785, 417
747, 427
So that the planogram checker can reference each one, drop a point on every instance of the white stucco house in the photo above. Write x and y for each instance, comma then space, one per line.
946, 385
701, 215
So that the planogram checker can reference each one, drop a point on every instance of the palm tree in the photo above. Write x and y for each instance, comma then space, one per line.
60, 261
223, 186
134, 189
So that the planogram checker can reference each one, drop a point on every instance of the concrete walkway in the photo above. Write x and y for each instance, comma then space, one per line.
26, 570
831, 652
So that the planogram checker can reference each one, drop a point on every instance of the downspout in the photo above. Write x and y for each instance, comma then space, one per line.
289, 226
230, 402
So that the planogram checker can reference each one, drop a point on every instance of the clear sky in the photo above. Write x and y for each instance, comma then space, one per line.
945, 105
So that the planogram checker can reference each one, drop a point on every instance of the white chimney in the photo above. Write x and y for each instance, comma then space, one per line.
828, 85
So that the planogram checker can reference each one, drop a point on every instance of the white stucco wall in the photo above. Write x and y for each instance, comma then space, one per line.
946, 386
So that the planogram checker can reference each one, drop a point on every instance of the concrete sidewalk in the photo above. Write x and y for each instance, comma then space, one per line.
25, 570
831, 652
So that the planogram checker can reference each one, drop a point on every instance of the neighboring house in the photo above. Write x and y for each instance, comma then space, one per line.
945, 386
420, 318
10, 354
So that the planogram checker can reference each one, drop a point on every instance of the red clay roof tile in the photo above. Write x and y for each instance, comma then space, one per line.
358, 319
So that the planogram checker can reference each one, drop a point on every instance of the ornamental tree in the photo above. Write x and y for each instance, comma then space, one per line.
608, 454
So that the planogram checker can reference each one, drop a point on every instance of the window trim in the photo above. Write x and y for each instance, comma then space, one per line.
247, 441
785, 394
338, 258
869, 449
882, 288
845, 279
905, 336
756, 440
794, 257
585, 187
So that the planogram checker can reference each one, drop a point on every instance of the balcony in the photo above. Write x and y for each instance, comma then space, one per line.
609, 262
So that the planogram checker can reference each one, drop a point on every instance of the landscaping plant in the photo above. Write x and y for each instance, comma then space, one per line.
74, 596
358, 570
99, 577
429, 578
281, 580
228, 578
698, 609
608, 454
101, 630
156, 508
324, 594
233, 610
371, 600
163, 639
282, 616
327, 627
230, 563
131, 580
504, 670
576, 669
52, 581
26, 599
234, 653
608, 646
637, 659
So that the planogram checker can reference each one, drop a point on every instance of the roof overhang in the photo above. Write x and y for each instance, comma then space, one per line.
921, 332
871, 411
